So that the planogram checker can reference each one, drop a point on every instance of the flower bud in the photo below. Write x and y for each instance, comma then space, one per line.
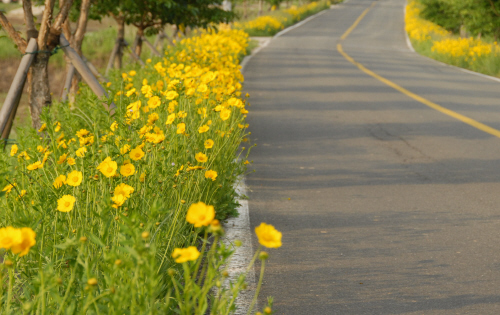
238, 243
171, 272
8, 263
92, 281
225, 274
118, 262
267, 310
263, 255
83, 239
145, 234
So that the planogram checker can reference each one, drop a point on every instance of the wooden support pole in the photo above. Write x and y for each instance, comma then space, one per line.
85, 72
67, 83
112, 58
9, 108
153, 49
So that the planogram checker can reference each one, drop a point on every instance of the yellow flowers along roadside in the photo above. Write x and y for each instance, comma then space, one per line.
103, 214
436, 42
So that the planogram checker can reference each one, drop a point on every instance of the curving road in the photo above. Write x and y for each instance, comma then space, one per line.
394, 207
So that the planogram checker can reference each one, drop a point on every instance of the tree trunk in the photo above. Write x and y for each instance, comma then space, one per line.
39, 88
121, 40
138, 42
76, 42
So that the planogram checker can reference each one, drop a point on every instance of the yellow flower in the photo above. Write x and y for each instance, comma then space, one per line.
211, 175
201, 157
127, 169
71, 161
35, 166
152, 118
23, 193
170, 95
142, 177
62, 158
82, 133
9, 187
119, 200
41, 149
203, 129
209, 144
81, 152
132, 73
200, 214
46, 157
24, 155
268, 236
42, 128
108, 167
58, 126
9, 237
125, 149
113, 126
181, 128
13, 149
59, 181
182, 255
130, 92
225, 114
170, 119
202, 88
154, 102
123, 189
147, 91
74, 178
136, 154
66, 203
27, 241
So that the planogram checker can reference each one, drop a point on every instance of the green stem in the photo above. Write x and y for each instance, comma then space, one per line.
9, 292
258, 287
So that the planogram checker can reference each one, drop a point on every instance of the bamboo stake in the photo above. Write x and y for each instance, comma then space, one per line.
85, 72
111, 61
134, 55
11, 102
153, 49
67, 83
95, 71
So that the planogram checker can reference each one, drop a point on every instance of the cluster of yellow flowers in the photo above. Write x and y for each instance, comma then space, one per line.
19, 241
262, 23
419, 29
189, 99
458, 51
469, 48
200, 215
269, 25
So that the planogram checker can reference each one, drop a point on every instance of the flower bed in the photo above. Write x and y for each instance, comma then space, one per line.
100, 203
268, 25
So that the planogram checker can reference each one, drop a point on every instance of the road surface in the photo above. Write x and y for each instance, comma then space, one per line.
394, 207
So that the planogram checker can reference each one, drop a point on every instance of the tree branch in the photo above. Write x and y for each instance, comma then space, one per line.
61, 17
45, 25
11, 31
81, 28
494, 8
29, 20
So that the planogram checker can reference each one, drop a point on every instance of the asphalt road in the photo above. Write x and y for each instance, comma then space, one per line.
394, 207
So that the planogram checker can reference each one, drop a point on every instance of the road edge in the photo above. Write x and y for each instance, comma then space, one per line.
238, 228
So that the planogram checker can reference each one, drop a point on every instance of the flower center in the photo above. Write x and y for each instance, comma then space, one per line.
67, 204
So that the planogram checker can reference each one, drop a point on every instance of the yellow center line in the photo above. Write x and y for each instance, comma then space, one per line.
439, 108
